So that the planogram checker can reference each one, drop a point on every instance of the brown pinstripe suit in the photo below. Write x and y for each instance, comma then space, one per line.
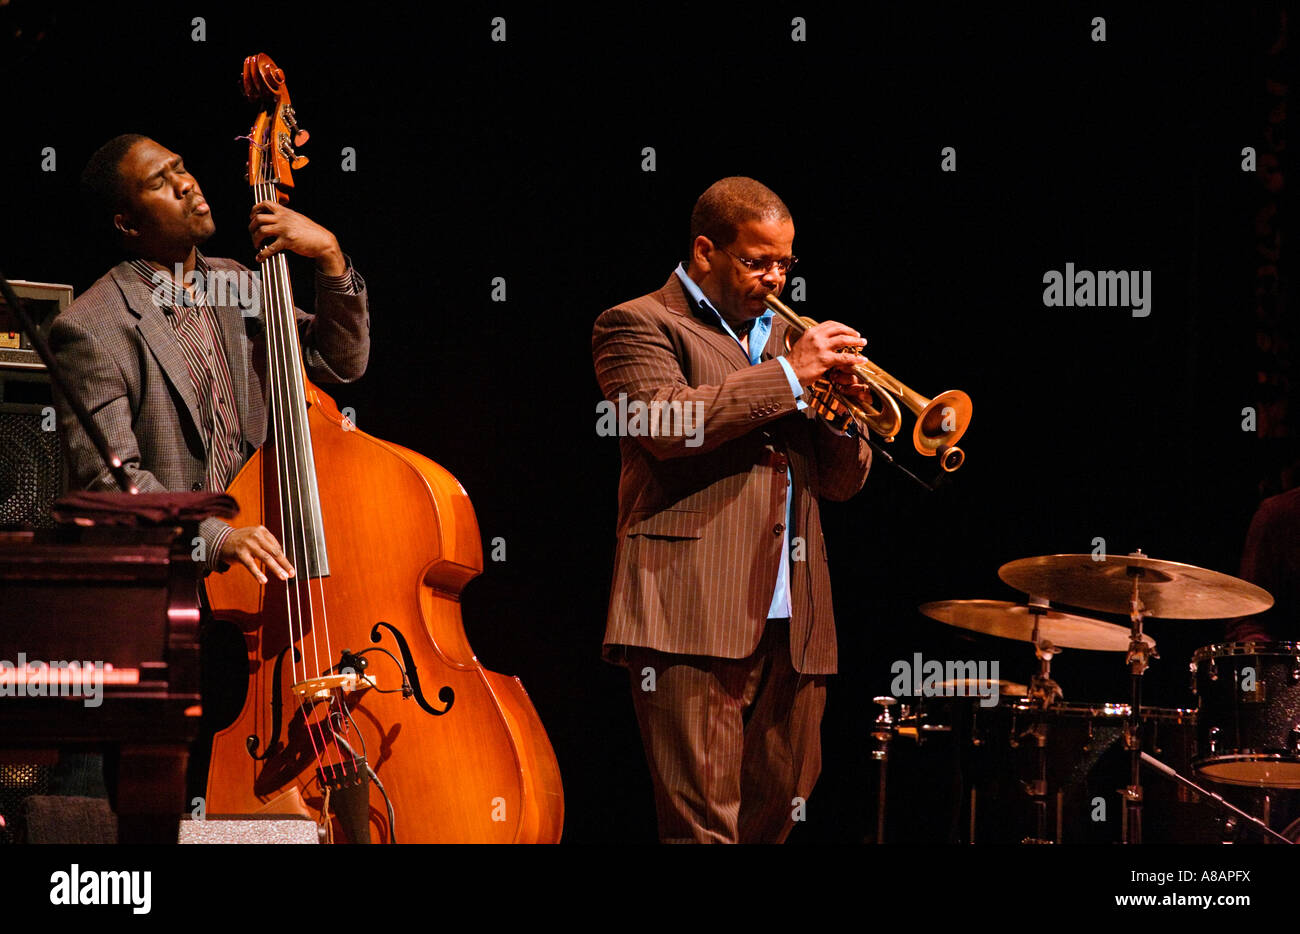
698, 539
124, 357
732, 725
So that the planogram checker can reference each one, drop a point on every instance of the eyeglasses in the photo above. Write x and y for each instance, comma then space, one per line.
763, 266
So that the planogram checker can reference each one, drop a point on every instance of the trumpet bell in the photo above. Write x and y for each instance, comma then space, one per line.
940, 425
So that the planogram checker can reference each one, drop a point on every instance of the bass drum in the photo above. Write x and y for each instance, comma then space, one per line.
1248, 713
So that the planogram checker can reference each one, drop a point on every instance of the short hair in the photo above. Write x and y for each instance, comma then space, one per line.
102, 185
730, 202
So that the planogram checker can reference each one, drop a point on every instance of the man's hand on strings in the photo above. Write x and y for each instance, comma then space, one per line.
276, 228
252, 546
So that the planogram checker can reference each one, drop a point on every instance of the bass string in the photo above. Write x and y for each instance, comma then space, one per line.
286, 381
294, 351
303, 475
281, 410
291, 495
305, 453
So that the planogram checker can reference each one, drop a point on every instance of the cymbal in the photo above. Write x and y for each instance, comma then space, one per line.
1168, 590
1013, 621
971, 687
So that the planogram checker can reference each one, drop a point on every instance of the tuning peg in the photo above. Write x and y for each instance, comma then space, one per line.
301, 137
298, 162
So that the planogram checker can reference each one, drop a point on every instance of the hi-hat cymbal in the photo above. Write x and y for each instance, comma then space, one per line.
1014, 621
1168, 590
974, 687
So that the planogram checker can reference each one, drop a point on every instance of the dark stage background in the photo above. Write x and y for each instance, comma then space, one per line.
477, 159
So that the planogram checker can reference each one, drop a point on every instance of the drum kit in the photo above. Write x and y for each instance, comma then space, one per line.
1030, 768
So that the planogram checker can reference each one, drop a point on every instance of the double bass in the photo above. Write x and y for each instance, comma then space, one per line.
366, 710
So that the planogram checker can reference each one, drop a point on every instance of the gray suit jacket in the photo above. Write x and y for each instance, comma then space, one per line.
118, 349
700, 527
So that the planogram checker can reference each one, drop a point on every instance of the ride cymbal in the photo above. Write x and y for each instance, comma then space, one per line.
1168, 590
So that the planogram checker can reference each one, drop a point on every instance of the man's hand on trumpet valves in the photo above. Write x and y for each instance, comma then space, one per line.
819, 348
850, 384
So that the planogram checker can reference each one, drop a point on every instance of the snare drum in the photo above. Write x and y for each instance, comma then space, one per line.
1248, 714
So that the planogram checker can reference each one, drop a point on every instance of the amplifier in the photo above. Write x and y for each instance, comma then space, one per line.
42, 301
32, 472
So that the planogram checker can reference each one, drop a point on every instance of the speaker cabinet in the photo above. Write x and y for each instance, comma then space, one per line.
32, 472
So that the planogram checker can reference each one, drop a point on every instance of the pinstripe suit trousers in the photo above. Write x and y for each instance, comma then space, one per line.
731, 742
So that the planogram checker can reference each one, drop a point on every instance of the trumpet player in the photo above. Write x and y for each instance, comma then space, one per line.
721, 600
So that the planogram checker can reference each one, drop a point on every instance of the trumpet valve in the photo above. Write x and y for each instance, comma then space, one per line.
827, 404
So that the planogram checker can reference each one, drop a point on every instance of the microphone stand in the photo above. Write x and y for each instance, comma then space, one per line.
939, 481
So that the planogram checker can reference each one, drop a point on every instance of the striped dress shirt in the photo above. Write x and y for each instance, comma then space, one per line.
196, 330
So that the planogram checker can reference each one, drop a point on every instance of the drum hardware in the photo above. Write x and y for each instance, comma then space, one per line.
882, 732
1138, 658
1047, 630
914, 722
999, 792
1042, 688
1083, 747
1037, 788
1059, 761
1043, 692
1139, 586
1261, 825
884, 726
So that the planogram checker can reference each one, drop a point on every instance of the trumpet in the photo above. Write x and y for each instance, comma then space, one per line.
940, 422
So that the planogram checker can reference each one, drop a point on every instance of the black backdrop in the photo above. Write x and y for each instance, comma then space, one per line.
523, 159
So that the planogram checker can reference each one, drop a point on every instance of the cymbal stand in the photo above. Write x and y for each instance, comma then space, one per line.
1042, 689
1044, 692
1139, 656
882, 731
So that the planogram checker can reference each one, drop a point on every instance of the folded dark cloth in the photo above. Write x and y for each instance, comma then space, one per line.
56, 819
142, 508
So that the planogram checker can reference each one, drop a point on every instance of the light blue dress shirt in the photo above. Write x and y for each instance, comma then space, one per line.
759, 332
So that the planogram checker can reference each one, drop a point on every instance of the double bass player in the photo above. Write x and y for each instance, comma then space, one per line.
173, 383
